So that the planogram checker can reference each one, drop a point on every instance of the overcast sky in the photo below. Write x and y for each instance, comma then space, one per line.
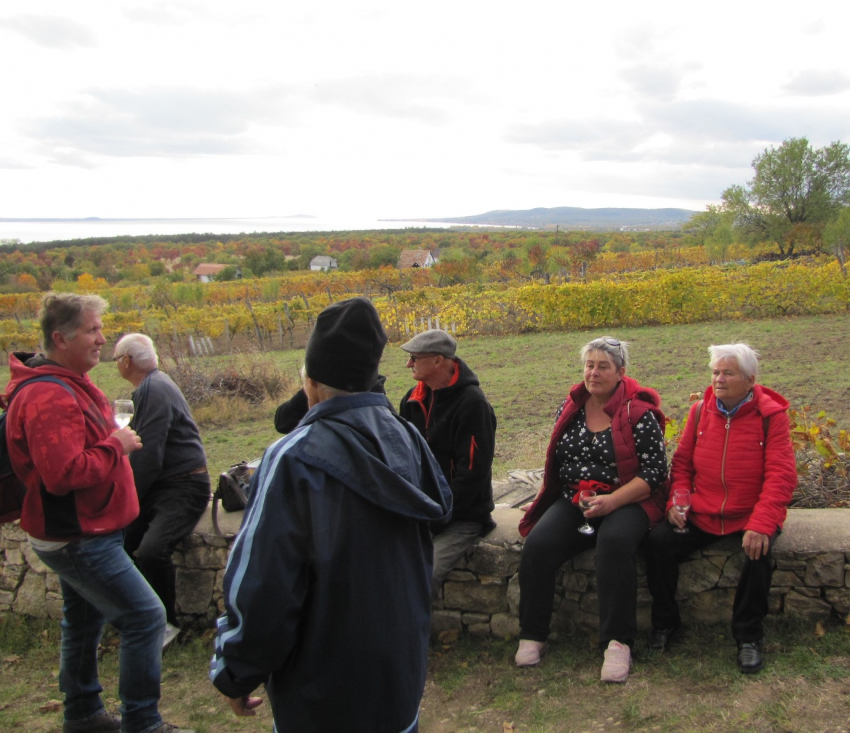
252, 108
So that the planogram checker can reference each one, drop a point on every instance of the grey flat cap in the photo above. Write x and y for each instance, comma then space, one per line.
434, 341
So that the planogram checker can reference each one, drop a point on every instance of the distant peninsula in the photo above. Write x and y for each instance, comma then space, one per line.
571, 217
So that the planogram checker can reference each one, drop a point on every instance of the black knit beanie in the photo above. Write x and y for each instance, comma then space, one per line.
346, 345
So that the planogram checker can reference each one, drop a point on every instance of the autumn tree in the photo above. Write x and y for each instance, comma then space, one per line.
836, 234
793, 184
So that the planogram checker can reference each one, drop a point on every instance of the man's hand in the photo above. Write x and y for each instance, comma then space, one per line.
130, 440
755, 544
243, 706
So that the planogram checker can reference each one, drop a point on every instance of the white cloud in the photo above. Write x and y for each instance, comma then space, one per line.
51, 32
814, 83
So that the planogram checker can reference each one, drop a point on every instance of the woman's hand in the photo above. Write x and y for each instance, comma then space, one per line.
601, 505
755, 544
676, 519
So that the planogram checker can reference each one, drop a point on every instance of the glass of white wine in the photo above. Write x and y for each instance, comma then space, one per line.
681, 503
123, 412
584, 498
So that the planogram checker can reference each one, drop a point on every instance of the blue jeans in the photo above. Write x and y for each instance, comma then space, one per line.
101, 584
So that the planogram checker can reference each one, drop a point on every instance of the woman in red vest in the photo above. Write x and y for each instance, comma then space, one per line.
609, 437
737, 460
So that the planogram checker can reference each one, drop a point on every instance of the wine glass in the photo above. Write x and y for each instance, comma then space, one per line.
584, 498
681, 503
123, 412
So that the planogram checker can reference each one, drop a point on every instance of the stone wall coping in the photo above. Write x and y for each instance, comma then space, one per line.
805, 530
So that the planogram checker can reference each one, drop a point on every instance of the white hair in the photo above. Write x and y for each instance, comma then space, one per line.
140, 349
617, 350
745, 357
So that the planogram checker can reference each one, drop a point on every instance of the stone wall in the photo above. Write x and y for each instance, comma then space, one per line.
481, 596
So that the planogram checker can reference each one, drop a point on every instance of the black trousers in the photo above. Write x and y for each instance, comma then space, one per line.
666, 549
169, 511
554, 540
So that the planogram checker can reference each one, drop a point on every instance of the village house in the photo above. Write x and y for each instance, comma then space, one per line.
206, 271
323, 263
416, 258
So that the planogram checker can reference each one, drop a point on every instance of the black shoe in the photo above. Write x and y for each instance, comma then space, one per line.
750, 660
101, 722
662, 638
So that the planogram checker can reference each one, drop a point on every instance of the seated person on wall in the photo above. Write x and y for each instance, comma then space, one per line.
170, 470
451, 412
736, 461
327, 589
608, 438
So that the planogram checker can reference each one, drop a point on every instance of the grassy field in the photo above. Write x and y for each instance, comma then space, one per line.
474, 687
527, 376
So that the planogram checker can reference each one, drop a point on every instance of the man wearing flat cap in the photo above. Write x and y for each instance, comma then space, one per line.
451, 412
327, 588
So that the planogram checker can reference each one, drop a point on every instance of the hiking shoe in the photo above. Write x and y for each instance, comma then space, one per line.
750, 660
529, 653
618, 659
101, 722
660, 639
171, 633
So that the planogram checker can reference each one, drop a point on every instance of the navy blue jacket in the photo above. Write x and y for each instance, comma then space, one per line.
327, 588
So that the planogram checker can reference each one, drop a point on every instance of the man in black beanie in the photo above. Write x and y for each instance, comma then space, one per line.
327, 588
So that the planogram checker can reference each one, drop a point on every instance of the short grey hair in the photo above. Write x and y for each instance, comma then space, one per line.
140, 349
744, 355
616, 349
63, 312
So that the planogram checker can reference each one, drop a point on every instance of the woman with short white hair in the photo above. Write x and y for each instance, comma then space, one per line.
736, 461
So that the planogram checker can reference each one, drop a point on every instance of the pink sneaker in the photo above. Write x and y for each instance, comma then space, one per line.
529, 653
618, 659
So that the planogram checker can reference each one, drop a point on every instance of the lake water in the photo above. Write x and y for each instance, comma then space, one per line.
49, 230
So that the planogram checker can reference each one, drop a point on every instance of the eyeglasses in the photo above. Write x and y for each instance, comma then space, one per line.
116, 358
415, 357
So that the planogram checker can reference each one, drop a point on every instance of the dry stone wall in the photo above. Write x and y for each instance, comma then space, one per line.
481, 596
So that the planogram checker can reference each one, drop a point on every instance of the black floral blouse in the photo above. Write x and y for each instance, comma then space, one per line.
585, 456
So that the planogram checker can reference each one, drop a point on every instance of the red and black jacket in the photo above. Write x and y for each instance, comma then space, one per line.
79, 482
459, 425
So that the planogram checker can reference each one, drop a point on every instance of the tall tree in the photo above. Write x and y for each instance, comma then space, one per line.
793, 184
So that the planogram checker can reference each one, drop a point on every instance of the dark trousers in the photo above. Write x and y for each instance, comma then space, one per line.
169, 511
554, 540
666, 549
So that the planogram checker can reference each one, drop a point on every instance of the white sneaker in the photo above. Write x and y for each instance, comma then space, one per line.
171, 633
529, 653
618, 660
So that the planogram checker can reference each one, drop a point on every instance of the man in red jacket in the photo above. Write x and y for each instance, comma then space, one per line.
737, 461
64, 445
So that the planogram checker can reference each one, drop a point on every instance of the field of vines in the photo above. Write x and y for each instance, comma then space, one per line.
269, 311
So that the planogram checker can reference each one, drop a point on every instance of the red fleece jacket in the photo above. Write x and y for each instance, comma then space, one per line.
79, 482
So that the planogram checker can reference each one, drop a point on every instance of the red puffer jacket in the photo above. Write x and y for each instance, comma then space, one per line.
739, 483
79, 482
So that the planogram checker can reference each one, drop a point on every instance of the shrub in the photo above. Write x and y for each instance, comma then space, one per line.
245, 377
